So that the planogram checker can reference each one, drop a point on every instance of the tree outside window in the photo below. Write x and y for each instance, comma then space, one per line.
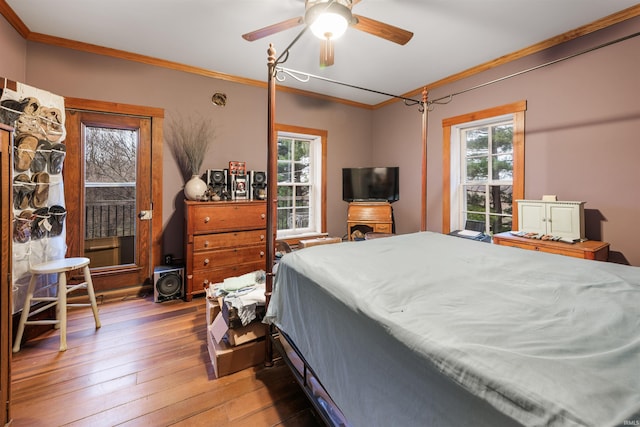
487, 176
295, 184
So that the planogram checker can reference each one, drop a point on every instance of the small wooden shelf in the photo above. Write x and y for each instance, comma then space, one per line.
589, 249
374, 217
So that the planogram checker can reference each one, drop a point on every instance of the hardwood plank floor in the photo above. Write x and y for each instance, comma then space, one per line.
147, 366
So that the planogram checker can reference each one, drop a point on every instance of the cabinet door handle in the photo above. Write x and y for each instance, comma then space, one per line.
206, 219
206, 261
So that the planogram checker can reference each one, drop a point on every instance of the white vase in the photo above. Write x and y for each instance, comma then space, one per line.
195, 188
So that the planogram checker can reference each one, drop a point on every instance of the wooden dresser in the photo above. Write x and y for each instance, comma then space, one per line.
589, 249
223, 239
374, 217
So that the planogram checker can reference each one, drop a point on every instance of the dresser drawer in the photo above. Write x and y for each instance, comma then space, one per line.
205, 242
222, 257
228, 216
202, 278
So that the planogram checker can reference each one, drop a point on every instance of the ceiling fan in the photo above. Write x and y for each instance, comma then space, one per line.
328, 20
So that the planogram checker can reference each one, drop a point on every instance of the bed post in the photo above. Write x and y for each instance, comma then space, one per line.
425, 110
272, 188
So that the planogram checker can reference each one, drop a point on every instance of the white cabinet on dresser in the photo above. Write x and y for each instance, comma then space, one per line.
223, 239
557, 218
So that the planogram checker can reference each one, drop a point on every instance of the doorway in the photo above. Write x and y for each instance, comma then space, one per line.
109, 176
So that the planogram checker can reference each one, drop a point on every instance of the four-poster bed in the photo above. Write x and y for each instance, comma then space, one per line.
428, 329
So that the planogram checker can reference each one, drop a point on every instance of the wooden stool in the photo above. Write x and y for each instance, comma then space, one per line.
61, 267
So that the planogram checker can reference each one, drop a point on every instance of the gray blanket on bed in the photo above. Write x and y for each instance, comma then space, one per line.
544, 339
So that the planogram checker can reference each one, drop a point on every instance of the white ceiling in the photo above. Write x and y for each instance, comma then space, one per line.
449, 35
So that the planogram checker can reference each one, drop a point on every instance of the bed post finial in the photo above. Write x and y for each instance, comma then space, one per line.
272, 54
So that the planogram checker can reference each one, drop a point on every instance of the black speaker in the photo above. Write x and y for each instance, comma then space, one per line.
217, 181
168, 283
258, 185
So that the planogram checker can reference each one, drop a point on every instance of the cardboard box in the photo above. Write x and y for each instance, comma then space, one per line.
227, 359
251, 332
212, 309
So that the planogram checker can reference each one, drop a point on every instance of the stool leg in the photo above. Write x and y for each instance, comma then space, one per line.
92, 295
61, 311
25, 313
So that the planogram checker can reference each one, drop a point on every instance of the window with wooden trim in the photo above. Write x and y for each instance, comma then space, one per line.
301, 182
483, 169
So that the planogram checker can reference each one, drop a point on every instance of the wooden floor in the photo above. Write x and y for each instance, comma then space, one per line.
147, 366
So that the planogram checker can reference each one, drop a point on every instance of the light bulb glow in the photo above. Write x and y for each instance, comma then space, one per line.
329, 25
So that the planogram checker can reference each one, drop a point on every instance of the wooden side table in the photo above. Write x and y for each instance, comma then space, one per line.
589, 249
367, 217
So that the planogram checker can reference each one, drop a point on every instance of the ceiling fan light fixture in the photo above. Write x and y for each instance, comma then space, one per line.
328, 21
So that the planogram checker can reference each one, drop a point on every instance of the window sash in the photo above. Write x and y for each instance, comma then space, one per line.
298, 182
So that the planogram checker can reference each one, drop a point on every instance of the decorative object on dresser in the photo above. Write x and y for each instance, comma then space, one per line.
552, 218
589, 249
222, 239
189, 142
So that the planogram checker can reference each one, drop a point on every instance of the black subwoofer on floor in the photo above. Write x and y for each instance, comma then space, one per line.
168, 283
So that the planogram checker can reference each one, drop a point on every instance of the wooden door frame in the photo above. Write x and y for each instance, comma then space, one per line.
157, 118
6, 307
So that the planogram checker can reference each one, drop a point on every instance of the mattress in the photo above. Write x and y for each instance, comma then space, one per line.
428, 329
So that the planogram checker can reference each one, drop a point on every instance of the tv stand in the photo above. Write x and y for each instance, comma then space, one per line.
369, 216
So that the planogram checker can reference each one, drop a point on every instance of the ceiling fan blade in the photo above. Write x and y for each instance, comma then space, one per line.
380, 29
272, 29
326, 52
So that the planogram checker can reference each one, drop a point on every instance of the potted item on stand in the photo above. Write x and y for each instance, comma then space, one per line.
189, 143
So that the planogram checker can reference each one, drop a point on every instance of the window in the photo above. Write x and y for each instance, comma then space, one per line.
484, 169
301, 182
110, 195
485, 188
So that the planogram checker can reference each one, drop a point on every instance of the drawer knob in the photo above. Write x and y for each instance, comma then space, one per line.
261, 253
206, 261
262, 237
262, 216
206, 219
206, 243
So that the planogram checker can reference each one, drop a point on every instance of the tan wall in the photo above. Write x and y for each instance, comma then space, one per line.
582, 127
241, 125
582, 135
14, 53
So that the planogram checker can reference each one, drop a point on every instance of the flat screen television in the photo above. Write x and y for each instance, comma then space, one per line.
371, 184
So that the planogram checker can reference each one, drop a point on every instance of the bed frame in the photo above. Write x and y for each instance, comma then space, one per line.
325, 407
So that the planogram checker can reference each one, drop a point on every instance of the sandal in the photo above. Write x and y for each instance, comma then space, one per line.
41, 192
51, 123
41, 158
58, 152
23, 189
22, 227
58, 215
12, 110
25, 152
40, 225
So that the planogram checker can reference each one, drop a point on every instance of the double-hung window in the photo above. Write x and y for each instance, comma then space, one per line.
485, 189
485, 174
300, 182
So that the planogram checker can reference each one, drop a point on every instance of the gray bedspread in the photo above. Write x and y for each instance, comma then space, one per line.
428, 329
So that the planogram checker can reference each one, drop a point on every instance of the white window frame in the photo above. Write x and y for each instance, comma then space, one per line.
458, 166
315, 195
